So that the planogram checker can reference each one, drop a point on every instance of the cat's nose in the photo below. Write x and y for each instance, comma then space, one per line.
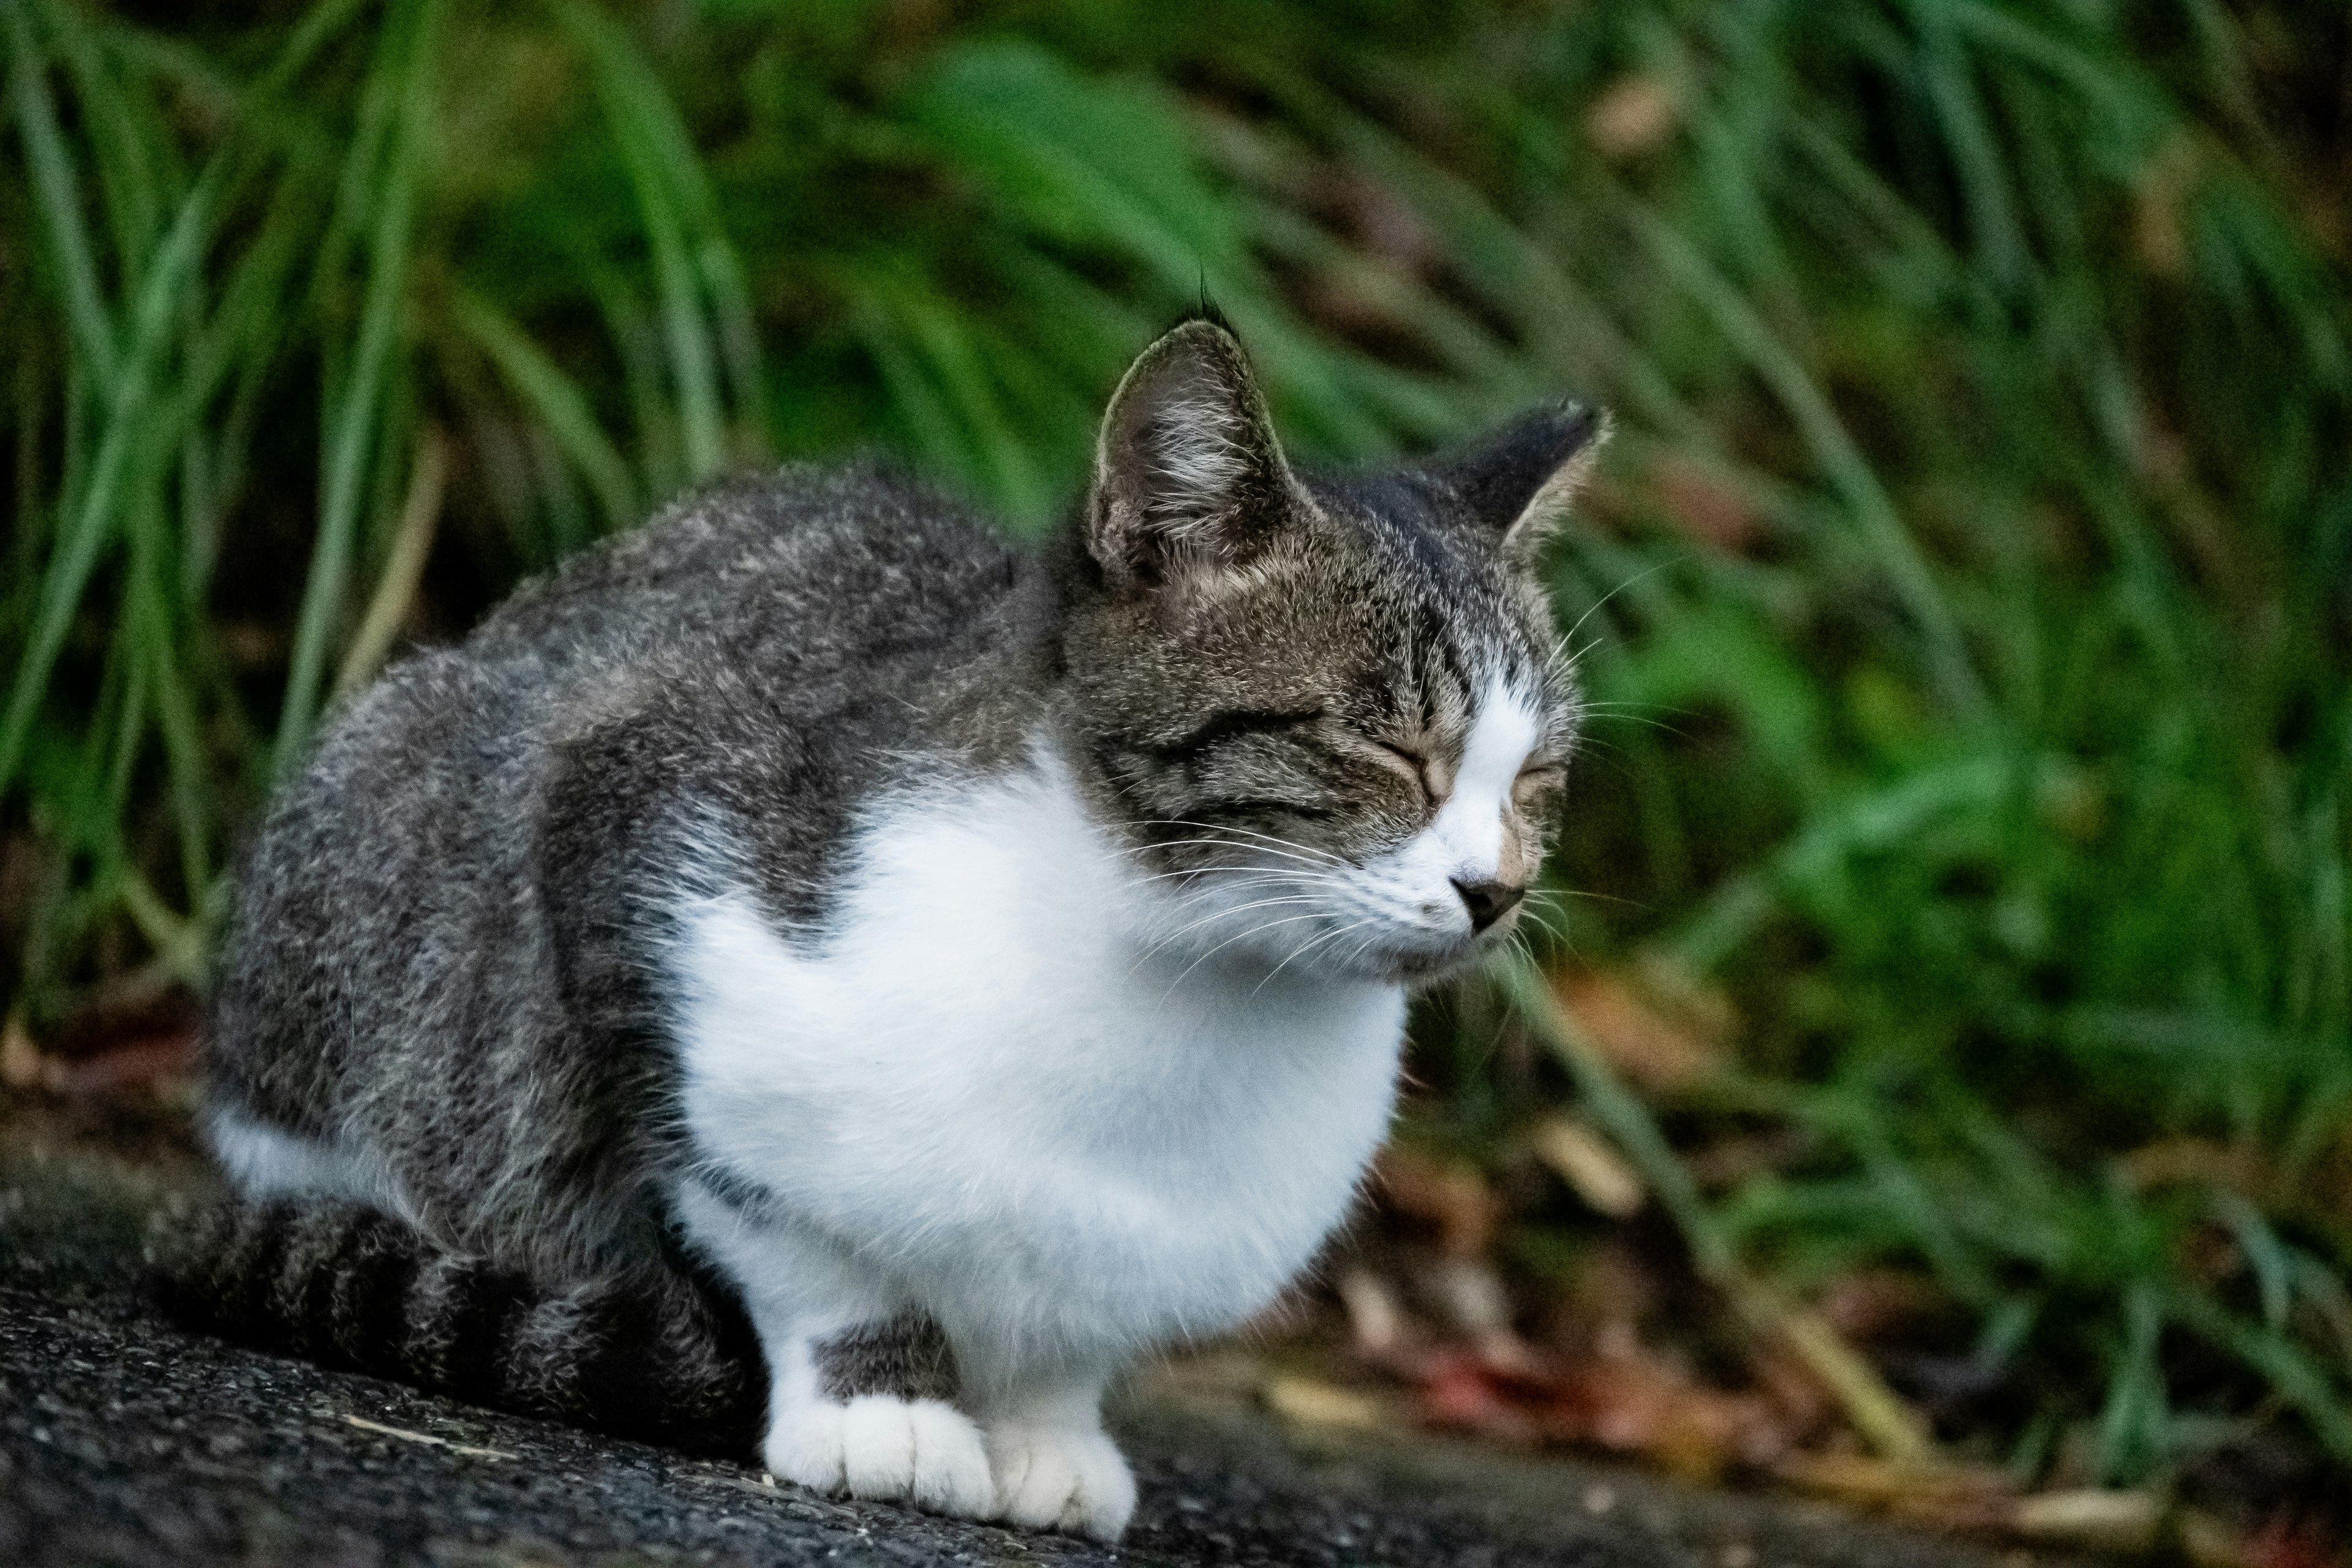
1488, 901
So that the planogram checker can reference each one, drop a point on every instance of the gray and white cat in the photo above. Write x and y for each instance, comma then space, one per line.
808, 977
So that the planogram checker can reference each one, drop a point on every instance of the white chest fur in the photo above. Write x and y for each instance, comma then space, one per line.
977, 1084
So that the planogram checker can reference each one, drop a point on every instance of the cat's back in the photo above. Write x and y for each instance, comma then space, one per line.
811, 569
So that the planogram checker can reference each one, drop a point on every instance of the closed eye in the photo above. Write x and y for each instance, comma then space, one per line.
1229, 725
1404, 760
1535, 780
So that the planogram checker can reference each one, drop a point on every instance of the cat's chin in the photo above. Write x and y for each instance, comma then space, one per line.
1429, 969
1420, 965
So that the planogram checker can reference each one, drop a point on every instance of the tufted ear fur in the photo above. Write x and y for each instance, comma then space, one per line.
1187, 469
1521, 482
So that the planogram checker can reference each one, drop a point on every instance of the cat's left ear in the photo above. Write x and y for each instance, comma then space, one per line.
1187, 470
1521, 483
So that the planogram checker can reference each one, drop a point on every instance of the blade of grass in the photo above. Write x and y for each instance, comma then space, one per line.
404, 568
152, 635
645, 127
2284, 1365
1833, 446
60, 201
660, 464
561, 406
354, 417
117, 131
111, 474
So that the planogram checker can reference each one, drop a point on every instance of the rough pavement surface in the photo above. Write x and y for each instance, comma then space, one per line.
125, 1441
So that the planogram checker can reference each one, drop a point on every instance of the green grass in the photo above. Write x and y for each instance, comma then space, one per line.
1964, 603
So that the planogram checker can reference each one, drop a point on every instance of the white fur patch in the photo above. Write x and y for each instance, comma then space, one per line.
264, 1162
984, 1094
1467, 832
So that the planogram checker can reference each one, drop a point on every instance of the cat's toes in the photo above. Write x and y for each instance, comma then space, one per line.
895, 1451
1061, 1478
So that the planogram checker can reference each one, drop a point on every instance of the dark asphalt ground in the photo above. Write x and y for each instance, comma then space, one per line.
126, 1441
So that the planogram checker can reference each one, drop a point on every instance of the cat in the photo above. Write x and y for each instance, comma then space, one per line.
808, 978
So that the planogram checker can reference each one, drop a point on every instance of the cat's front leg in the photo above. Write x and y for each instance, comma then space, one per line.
1054, 1466
865, 1411
860, 1386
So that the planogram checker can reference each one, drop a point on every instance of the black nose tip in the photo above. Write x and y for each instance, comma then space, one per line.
1488, 901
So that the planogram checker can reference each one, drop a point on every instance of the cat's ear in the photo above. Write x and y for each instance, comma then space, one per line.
1521, 483
1187, 469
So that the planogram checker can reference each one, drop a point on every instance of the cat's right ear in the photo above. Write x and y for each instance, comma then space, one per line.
1187, 470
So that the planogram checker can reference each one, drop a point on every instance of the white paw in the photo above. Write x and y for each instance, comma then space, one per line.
916, 1451
1060, 1478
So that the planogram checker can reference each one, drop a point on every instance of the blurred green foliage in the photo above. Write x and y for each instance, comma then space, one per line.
1966, 605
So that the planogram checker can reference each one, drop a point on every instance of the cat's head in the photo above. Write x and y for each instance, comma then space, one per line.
1330, 714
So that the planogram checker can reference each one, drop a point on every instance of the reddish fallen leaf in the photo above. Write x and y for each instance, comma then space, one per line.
1459, 1391
1641, 1405
1629, 1403
2280, 1544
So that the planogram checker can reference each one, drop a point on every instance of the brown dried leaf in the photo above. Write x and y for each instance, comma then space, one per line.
144, 1052
1729, 1162
1870, 1303
2100, 1520
1794, 1389
20, 1058
1950, 1495
1660, 1050
1312, 1403
1589, 1163
1376, 1320
2182, 1161
1633, 115
1637, 1403
1450, 1196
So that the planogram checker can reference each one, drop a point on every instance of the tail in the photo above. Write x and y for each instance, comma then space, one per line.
665, 1355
